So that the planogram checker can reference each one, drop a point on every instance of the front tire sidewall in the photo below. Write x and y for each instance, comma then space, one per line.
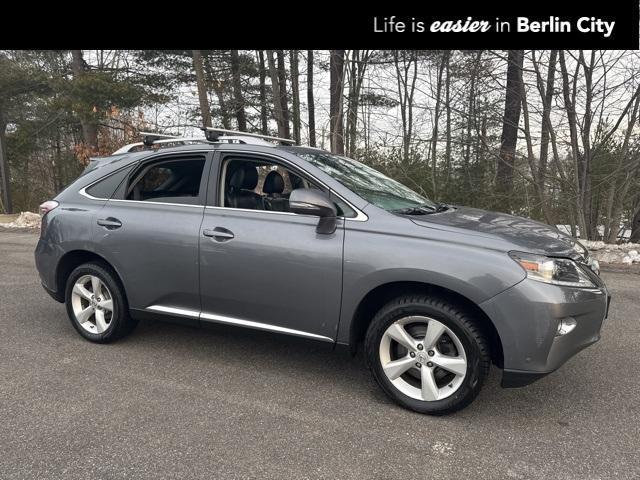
453, 319
118, 302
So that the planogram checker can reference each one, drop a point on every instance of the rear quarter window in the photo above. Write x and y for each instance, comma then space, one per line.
107, 186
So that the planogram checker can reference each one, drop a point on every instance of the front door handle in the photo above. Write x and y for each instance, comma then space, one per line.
109, 223
221, 234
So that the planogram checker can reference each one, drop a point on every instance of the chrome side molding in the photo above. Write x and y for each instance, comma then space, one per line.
214, 318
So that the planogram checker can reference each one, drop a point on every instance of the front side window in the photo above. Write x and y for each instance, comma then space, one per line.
263, 185
367, 182
174, 181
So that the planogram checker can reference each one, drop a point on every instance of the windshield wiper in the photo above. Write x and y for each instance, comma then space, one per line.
423, 209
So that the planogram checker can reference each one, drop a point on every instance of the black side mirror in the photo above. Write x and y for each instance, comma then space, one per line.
311, 201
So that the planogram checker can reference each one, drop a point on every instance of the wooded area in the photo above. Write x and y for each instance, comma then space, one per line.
552, 135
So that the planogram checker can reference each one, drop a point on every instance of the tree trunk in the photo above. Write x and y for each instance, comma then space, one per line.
310, 102
238, 106
264, 121
569, 104
447, 101
537, 185
295, 93
635, 226
282, 80
359, 62
5, 184
202, 88
436, 121
336, 84
406, 81
218, 89
511, 119
277, 99
471, 119
547, 97
87, 121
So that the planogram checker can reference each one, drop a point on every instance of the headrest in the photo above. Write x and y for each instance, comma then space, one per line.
274, 183
245, 178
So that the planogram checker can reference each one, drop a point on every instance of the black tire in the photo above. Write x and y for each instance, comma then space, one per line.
121, 322
461, 324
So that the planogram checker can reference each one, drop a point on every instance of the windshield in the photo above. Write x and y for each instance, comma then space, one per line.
367, 182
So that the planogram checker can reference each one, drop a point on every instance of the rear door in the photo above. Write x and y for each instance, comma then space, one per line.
149, 232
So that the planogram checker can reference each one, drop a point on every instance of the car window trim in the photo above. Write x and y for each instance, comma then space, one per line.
150, 162
360, 215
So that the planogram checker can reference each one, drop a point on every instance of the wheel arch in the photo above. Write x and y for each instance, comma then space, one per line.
377, 297
74, 258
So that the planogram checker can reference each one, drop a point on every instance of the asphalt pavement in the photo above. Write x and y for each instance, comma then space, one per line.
176, 402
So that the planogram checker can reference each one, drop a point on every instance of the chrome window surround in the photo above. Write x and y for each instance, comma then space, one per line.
360, 215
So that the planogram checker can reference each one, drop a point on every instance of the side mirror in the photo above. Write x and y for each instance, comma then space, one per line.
310, 201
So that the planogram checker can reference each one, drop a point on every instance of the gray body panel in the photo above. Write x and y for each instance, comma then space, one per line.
277, 273
275, 270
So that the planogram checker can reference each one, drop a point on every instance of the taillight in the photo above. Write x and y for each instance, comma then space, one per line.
47, 206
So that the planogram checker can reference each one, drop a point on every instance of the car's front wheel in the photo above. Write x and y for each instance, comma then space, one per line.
96, 304
427, 354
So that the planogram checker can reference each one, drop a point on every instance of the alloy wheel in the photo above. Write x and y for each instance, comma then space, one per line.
92, 304
423, 358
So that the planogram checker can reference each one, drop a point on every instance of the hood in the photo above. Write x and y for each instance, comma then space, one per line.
523, 234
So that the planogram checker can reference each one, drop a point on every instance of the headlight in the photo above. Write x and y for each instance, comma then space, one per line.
557, 271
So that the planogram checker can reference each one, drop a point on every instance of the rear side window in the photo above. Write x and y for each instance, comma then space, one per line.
108, 185
173, 181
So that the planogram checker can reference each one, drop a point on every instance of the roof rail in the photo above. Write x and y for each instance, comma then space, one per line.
149, 138
216, 134
212, 135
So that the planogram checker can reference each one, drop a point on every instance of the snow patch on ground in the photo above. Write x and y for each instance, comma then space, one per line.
625, 253
25, 220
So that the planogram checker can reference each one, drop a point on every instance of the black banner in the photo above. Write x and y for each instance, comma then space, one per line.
323, 25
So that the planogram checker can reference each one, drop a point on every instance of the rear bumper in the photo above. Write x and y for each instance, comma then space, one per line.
46, 259
526, 317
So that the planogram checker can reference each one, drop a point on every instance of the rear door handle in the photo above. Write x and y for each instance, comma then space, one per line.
221, 234
109, 223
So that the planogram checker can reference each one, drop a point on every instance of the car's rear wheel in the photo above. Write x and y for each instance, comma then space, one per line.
96, 304
427, 354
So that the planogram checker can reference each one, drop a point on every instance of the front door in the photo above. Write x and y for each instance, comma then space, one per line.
262, 266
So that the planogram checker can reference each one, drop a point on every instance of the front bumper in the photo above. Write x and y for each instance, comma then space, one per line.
526, 317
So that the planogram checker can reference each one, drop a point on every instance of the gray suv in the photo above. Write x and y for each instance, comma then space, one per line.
240, 230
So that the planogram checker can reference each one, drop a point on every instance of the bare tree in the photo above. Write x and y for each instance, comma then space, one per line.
264, 124
436, 123
5, 185
295, 94
283, 126
357, 71
511, 119
217, 85
336, 86
284, 100
87, 121
310, 100
237, 91
406, 65
202, 88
